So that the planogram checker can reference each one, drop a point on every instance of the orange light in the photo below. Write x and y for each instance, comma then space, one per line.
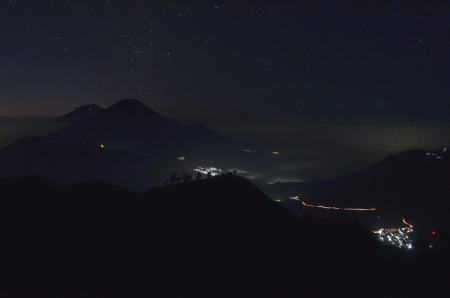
338, 208
406, 223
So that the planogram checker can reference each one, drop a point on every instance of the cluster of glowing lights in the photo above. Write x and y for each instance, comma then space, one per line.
397, 237
248, 150
212, 170
435, 155
276, 153
335, 208
181, 158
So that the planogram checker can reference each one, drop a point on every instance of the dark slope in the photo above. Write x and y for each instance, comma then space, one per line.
412, 184
79, 114
130, 125
284, 190
218, 237
96, 188
26, 195
27, 221
66, 164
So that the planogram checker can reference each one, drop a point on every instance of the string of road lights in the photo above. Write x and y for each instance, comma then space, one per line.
334, 208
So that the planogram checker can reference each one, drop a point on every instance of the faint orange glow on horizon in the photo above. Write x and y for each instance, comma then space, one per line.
22, 112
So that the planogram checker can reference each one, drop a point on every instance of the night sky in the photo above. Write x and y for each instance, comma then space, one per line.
244, 68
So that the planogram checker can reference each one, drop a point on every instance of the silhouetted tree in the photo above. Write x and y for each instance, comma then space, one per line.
173, 178
234, 172
209, 175
178, 179
166, 183
188, 177
198, 176
183, 177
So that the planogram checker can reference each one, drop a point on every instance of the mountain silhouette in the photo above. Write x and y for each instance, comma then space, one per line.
127, 144
79, 114
131, 125
412, 184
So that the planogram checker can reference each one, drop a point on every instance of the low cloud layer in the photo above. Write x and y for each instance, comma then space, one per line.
315, 150
309, 150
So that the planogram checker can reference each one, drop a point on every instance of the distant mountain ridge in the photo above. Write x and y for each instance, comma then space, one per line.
131, 125
412, 184
79, 114
67, 164
127, 144
411, 164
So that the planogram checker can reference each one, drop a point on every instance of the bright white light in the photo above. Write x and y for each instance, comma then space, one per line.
435, 155
214, 171
239, 171
181, 158
397, 237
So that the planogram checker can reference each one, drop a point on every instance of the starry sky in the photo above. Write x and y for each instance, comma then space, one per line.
233, 65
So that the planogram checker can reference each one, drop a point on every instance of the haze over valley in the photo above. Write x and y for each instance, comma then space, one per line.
132, 146
309, 150
224, 148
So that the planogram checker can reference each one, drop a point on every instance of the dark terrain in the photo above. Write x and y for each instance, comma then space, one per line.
70, 234
412, 185
216, 237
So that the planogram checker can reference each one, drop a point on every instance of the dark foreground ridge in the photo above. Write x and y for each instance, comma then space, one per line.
217, 237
